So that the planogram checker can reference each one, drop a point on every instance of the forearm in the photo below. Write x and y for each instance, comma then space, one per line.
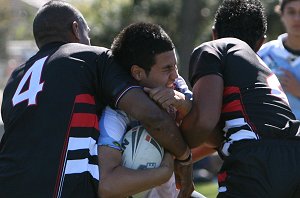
205, 114
158, 123
195, 133
129, 182
201, 152
183, 109
118, 181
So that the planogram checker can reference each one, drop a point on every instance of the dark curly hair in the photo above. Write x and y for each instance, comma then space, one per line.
242, 19
138, 43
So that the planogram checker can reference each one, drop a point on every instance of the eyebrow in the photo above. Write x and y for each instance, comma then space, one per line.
168, 66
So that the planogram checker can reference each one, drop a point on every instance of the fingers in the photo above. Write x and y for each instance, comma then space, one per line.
162, 95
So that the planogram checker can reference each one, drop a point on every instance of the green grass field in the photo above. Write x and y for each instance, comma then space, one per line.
208, 189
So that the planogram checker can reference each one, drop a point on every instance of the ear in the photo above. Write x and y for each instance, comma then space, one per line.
75, 30
214, 33
259, 43
137, 72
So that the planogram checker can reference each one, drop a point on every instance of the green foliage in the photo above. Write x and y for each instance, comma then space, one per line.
4, 23
106, 18
187, 22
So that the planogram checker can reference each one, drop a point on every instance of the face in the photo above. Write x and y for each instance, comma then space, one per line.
163, 72
291, 18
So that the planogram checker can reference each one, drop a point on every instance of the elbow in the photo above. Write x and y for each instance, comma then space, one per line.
106, 191
102, 191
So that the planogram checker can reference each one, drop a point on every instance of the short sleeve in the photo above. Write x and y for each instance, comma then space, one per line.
115, 80
205, 60
112, 125
181, 86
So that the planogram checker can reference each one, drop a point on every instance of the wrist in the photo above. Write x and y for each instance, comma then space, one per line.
187, 161
184, 108
185, 155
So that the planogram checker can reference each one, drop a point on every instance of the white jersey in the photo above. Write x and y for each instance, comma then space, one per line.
276, 56
115, 123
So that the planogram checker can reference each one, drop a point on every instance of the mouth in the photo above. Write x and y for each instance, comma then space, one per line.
171, 86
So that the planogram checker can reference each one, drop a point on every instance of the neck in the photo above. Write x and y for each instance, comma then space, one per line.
293, 42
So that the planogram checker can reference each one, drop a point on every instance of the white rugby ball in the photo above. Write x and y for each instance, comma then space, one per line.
141, 151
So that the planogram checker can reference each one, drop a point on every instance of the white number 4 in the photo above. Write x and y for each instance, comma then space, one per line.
34, 76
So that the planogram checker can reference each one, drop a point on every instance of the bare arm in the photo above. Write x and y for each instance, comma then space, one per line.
119, 181
157, 122
209, 147
204, 116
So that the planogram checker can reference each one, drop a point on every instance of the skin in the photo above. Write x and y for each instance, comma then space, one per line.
81, 32
162, 74
157, 121
204, 113
290, 18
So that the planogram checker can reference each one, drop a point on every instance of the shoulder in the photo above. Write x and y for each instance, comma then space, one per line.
275, 46
77, 49
222, 45
267, 47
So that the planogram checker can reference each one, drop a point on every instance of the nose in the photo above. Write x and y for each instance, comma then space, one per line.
174, 74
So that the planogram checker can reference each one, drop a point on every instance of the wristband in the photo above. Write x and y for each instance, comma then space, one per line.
187, 161
185, 155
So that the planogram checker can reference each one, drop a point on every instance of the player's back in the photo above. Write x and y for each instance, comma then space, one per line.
254, 105
50, 119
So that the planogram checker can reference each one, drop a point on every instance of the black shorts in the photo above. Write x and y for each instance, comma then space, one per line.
261, 169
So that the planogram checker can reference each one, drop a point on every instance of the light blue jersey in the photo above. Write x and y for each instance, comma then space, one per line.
276, 56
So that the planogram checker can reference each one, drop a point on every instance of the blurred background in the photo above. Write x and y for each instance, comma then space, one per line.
188, 22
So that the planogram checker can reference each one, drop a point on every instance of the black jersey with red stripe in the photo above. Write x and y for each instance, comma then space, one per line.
254, 105
50, 109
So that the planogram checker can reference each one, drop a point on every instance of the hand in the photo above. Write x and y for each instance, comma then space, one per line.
290, 83
169, 98
163, 96
184, 179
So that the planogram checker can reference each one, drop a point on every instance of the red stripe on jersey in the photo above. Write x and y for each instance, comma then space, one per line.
236, 105
85, 120
85, 98
232, 106
231, 90
222, 176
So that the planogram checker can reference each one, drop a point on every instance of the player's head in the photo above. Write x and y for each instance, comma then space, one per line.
148, 53
58, 21
242, 19
282, 5
289, 12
